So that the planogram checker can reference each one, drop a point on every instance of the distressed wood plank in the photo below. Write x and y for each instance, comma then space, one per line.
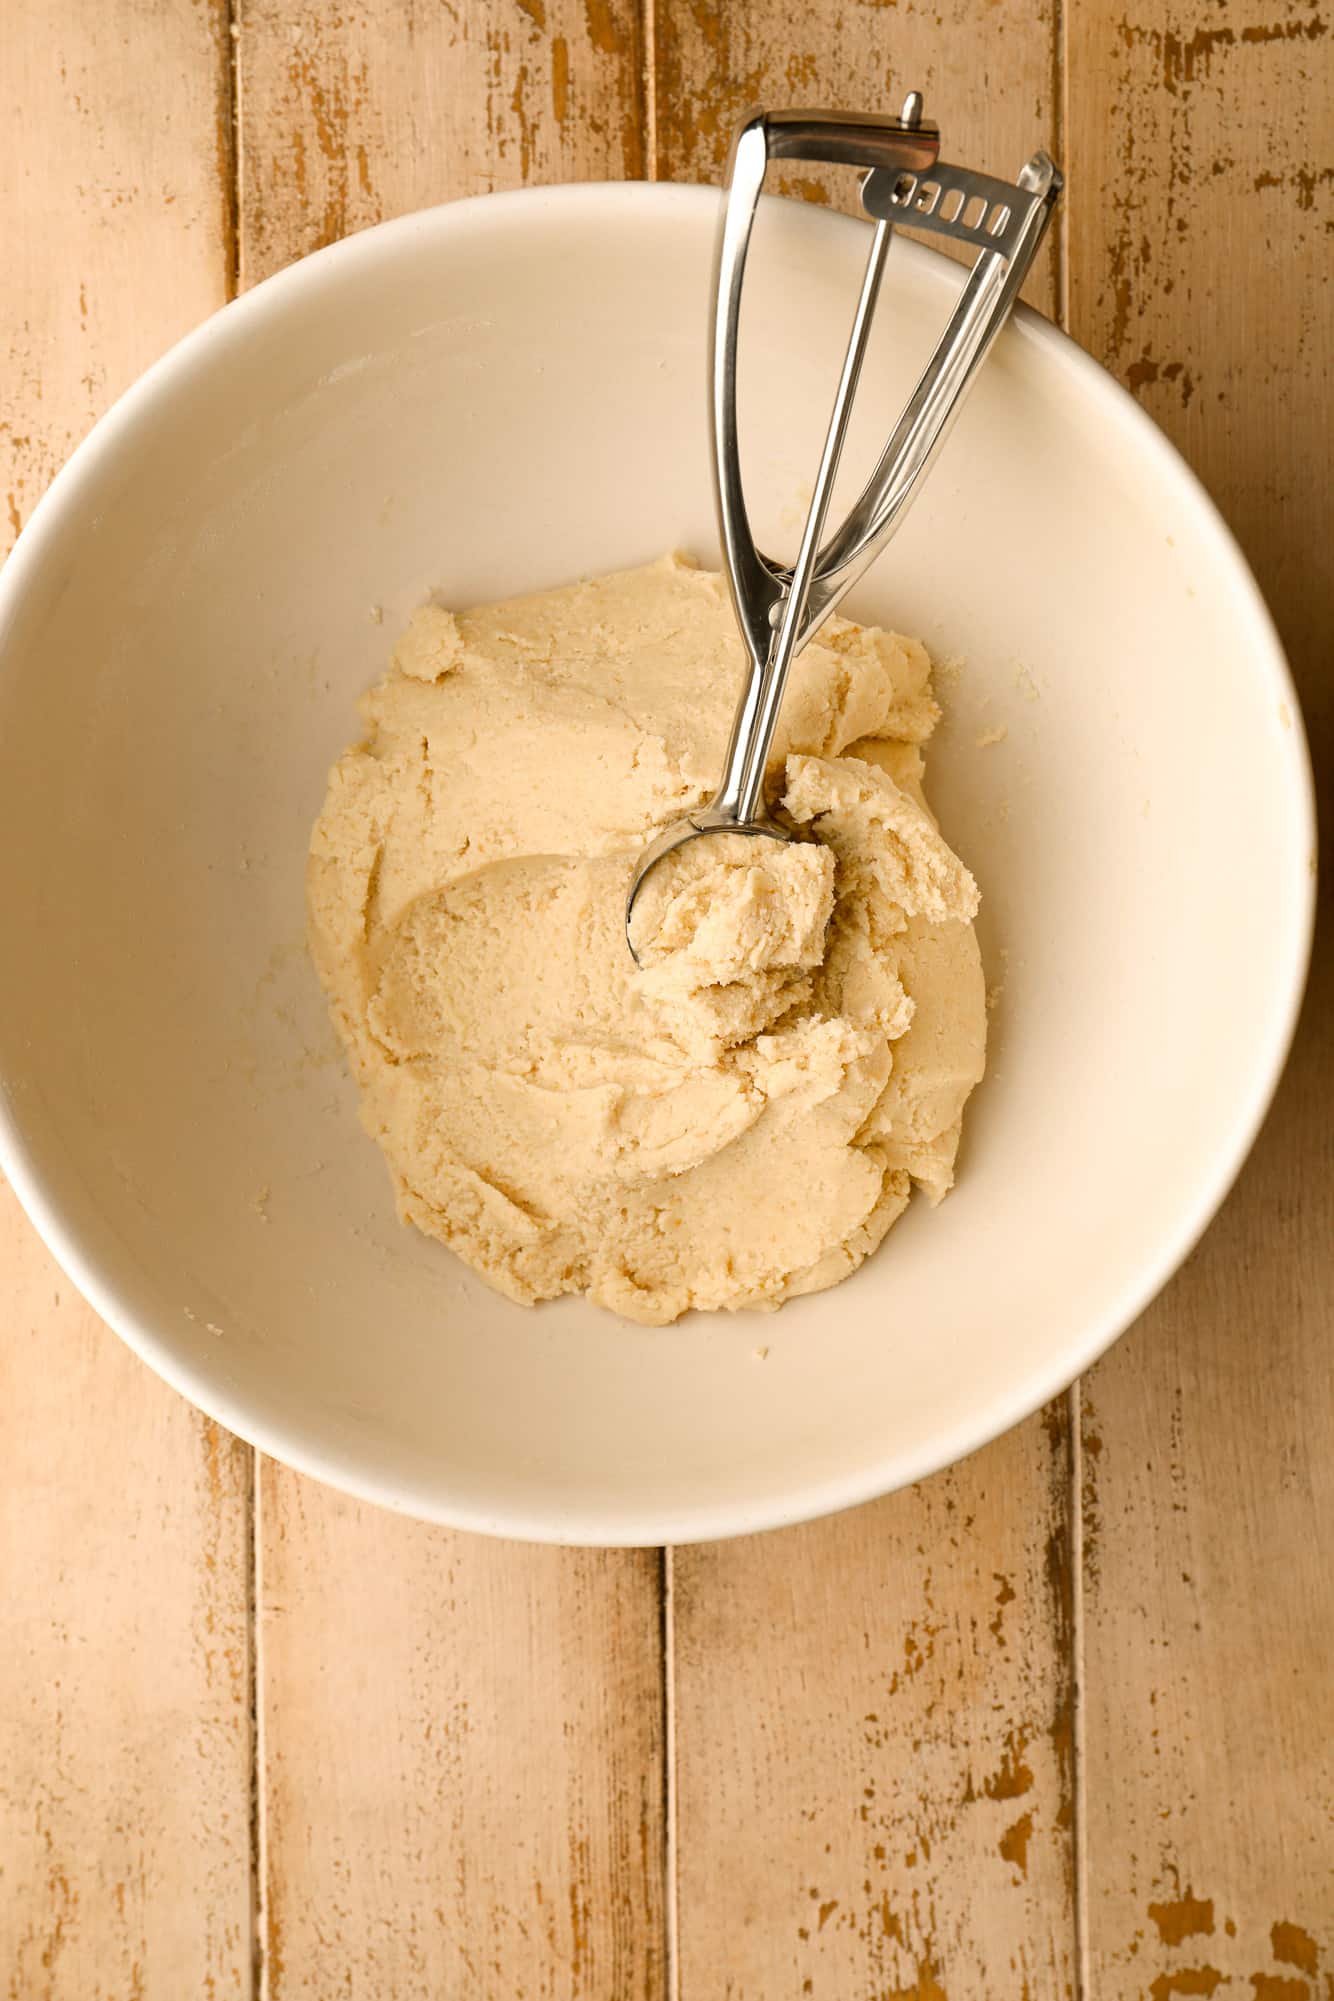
874, 1744
1200, 269
987, 68
462, 1783
125, 1744
117, 166
125, 1749
874, 1752
380, 109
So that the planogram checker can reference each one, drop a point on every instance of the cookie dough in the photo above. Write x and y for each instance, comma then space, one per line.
741, 1118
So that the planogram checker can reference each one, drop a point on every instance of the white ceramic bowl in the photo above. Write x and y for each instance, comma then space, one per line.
498, 396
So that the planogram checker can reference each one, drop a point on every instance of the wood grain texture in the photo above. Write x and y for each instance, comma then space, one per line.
116, 184
462, 1778
1200, 257
462, 1760
873, 1739
125, 1669
988, 70
460, 1784
874, 1752
349, 117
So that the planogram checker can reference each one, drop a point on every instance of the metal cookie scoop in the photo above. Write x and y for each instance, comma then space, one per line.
778, 609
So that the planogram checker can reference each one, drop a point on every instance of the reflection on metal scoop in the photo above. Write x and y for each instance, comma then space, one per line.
779, 609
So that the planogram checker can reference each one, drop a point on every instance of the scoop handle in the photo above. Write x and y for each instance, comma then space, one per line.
756, 719
888, 144
771, 603
779, 609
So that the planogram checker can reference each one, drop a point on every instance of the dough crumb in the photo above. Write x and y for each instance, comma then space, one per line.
741, 1118
992, 736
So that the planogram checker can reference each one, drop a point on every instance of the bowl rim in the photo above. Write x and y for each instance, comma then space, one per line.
628, 1527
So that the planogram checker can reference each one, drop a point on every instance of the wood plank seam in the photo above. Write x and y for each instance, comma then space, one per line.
1074, 1666
1078, 1716
229, 143
1062, 129
259, 1832
229, 174
648, 37
670, 1907
1075, 1669
256, 1803
1059, 129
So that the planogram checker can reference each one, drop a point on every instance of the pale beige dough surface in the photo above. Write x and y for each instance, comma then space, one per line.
741, 1120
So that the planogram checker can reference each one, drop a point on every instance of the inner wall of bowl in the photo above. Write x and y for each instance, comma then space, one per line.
500, 397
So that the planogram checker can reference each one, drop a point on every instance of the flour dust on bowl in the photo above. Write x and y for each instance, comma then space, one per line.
464, 406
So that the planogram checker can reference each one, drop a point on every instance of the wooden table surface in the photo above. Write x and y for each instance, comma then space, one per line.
1058, 1722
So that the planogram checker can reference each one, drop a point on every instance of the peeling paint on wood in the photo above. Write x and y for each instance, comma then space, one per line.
351, 116
873, 1780
463, 1786
125, 1670
96, 186
125, 1664
1200, 268
987, 68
